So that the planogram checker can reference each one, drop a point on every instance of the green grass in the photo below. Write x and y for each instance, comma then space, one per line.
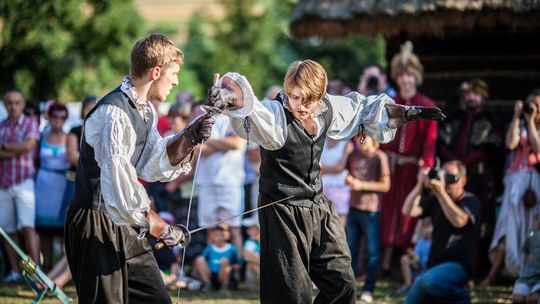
385, 293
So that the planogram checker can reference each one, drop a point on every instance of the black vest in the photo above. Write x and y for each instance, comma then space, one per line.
87, 182
294, 169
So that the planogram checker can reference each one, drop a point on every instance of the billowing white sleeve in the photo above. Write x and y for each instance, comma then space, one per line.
267, 121
154, 164
354, 109
109, 131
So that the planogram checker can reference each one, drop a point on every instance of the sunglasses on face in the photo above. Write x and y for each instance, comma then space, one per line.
451, 178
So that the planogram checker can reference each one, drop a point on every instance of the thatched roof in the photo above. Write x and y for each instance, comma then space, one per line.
339, 18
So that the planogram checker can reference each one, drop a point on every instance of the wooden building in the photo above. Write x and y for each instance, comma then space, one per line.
456, 40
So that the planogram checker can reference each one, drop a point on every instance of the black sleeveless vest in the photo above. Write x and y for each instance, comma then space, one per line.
87, 192
294, 169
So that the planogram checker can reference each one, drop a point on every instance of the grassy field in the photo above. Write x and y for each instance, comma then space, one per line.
385, 293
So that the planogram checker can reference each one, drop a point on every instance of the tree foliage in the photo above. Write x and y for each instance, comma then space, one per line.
65, 48
254, 39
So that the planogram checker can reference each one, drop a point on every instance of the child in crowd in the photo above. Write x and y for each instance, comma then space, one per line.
252, 252
369, 177
414, 262
218, 260
527, 286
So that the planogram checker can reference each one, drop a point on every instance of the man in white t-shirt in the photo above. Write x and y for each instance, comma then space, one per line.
221, 177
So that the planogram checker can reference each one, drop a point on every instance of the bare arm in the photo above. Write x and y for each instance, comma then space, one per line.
411, 206
382, 185
6, 154
226, 144
455, 215
512, 134
23, 147
534, 140
72, 149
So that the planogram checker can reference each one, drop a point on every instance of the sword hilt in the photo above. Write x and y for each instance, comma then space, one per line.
187, 239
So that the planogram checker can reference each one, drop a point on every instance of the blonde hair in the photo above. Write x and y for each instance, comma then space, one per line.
309, 76
153, 50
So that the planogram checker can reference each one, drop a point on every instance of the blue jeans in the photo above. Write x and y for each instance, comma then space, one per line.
443, 283
367, 223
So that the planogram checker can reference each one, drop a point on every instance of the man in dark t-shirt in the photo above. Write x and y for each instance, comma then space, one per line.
455, 215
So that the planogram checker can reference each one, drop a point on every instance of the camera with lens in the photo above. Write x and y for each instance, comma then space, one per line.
437, 171
527, 108
372, 84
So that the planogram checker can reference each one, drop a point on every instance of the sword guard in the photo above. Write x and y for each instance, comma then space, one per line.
187, 238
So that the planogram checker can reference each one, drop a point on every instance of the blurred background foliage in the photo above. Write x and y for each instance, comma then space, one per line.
66, 49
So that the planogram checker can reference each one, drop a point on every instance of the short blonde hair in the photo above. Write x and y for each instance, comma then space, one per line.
153, 50
309, 76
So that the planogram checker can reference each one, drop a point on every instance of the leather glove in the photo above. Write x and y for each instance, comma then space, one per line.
399, 114
171, 236
419, 112
200, 129
221, 98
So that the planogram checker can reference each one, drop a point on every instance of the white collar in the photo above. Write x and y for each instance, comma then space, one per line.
129, 89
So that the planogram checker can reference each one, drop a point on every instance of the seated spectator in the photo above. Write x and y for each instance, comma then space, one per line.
19, 135
216, 264
414, 262
455, 215
252, 252
527, 286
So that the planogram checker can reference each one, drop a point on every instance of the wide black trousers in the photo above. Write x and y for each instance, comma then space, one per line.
300, 245
109, 263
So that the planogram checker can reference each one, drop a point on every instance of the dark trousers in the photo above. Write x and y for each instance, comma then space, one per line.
360, 222
300, 245
109, 263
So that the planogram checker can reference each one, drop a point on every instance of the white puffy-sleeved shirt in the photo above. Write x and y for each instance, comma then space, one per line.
110, 133
268, 124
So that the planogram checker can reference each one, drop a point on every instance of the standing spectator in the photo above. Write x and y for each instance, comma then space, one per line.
18, 138
369, 177
414, 146
527, 286
513, 223
455, 215
50, 184
221, 177
414, 262
333, 172
472, 136
373, 81
163, 122
337, 86
215, 265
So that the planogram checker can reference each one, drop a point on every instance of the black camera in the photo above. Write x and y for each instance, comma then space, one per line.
527, 108
372, 84
436, 171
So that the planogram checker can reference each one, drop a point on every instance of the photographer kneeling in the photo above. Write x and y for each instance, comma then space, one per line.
454, 214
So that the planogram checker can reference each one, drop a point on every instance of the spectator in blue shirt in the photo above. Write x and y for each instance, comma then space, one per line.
216, 263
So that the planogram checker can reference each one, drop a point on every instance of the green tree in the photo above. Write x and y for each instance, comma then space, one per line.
244, 41
65, 48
